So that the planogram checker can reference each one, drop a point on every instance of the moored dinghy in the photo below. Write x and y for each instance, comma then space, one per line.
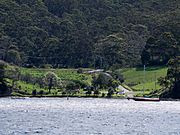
146, 99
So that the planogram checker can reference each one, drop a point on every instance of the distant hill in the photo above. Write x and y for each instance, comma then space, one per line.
83, 33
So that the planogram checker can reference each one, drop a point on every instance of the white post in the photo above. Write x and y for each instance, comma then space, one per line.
144, 78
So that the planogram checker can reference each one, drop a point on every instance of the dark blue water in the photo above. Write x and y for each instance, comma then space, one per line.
79, 116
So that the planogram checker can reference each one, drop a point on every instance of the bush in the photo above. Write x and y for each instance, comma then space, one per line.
63, 93
22, 92
110, 92
3, 85
79, 83
34, 92
89, 92
13, 56
41, 92
96, 92
103, 95
79, 71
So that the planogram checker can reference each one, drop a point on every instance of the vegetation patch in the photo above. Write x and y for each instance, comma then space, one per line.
138, 80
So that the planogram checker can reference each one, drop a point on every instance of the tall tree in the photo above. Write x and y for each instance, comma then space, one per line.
173, 79
3, 86
160, 50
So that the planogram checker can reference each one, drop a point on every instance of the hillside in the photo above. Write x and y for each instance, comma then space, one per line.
148, 81
70, 33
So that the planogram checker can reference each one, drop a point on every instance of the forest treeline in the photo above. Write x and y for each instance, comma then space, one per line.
89, 33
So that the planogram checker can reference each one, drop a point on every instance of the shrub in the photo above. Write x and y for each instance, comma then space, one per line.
89, 92
34, 92
96, 92
103, 95
79, 71
41, 92
63, 93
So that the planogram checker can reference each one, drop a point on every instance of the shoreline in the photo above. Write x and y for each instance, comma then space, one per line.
67, 97
23, 97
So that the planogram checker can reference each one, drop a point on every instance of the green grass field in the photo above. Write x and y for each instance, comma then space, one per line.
63, 74
135, 78
138, 80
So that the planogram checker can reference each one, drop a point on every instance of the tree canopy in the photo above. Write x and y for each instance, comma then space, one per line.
172, 81
68, 33
3, 85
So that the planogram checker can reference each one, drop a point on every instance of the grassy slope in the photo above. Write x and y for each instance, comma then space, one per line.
64, 74
134, 77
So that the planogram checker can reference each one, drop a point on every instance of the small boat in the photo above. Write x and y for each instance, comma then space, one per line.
146, 99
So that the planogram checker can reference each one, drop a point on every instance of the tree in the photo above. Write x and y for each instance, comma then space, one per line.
102, 80
5, 43
3, 85
13, 56
167, 46
117, 75
159, 51
80, 26
110, 92
174, 69
145, 57
9, 50
51, 80
72, 88
51, 50
108, 51
14, 74
172, 79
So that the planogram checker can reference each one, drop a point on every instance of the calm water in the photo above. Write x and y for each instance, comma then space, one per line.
79, 116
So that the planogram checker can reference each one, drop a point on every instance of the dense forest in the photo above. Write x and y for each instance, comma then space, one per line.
89, 33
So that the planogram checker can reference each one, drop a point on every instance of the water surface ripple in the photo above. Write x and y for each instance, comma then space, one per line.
79, 116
